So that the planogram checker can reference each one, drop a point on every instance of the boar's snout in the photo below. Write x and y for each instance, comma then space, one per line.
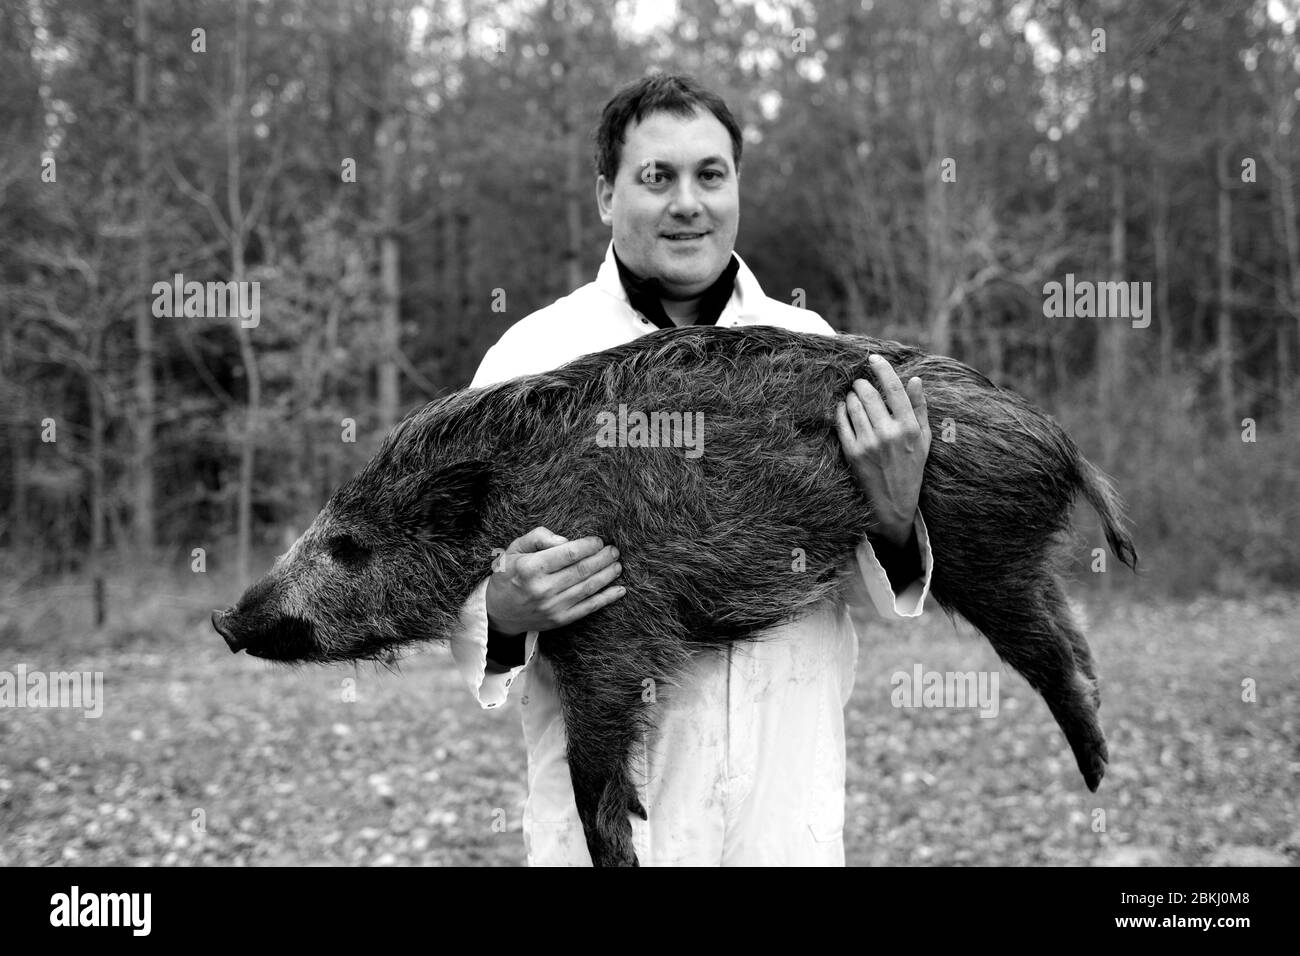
232, 641
266, 633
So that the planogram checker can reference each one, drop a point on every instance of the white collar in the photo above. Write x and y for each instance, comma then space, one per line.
747, 288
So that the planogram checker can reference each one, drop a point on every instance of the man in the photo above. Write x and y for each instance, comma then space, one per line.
747, 762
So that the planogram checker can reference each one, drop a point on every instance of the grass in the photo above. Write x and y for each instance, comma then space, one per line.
205, 758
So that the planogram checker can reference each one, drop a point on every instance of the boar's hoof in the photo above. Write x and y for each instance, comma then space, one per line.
1090, 752
614, 853
1093, 763
1092, 776
612, 843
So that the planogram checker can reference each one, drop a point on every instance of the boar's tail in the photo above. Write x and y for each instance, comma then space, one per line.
1105, 500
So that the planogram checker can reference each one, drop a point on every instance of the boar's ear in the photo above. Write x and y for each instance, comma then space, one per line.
450, 500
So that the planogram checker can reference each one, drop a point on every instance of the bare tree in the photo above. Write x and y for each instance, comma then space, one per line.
145, 418
235, 223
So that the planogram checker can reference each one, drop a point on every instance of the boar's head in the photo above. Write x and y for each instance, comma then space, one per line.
387, 562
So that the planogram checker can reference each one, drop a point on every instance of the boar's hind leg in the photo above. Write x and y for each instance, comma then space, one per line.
1034, 633
601, 722
599, 746
1059, 606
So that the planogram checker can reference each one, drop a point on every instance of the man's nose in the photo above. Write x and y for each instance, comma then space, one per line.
685, 202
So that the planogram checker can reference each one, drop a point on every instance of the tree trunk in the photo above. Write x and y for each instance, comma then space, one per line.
239, 266
1282, 103
451, 285
571, 151
1285, 377
1223, 319
146, 411
17, 525
18, 522
1160, 240
1290, 298
248, 441
929, 94
1282, 295
390, 264
1110, 355
95, 400
996, 336
1201, 294
573, 203
938, 261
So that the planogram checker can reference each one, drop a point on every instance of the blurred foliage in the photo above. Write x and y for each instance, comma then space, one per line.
483, 111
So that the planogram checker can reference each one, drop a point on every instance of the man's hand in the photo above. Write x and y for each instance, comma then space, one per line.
543, 581
886, 443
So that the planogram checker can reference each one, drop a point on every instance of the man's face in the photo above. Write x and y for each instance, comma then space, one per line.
675, 201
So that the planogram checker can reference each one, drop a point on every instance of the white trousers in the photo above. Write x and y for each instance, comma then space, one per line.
746, 767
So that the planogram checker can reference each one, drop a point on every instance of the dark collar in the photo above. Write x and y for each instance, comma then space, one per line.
646, 295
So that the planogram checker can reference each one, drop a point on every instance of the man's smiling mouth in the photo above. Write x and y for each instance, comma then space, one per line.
684, 236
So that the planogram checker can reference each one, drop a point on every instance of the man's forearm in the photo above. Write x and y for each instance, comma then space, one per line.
902, 564
505, 651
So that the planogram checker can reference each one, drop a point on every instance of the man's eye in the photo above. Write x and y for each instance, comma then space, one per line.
347, 550
713, 175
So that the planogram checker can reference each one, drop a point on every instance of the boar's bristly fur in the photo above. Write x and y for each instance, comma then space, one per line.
706, 532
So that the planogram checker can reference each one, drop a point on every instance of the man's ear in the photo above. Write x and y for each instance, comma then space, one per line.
449, 501
605, 200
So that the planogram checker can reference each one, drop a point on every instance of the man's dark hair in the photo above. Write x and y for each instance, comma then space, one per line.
673, 93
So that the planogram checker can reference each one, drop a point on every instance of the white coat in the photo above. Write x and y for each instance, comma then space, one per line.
746, 766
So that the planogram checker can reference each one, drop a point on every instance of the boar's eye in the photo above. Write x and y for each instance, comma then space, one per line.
346, 549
